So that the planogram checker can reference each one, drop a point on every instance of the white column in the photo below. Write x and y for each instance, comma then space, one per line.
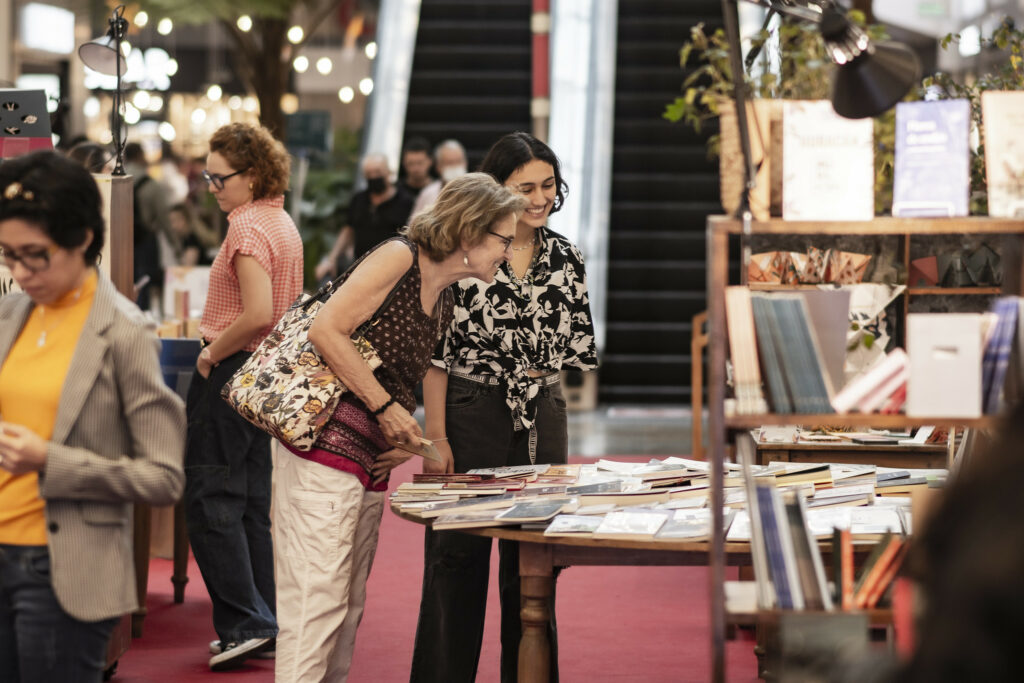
397, 24
583, 48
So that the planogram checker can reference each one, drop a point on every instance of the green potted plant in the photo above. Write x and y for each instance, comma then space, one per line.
1007, 75
804, 73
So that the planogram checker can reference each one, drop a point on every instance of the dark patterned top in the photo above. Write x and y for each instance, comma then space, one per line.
541, 322
404, 338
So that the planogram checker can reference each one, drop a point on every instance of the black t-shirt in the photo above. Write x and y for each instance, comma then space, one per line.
374, 224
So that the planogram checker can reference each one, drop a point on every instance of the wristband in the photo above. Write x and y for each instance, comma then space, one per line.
384, 407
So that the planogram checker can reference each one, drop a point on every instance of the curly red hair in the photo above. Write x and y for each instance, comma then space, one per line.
244, 145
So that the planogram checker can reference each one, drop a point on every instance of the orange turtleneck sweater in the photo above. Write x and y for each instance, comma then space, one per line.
31, 379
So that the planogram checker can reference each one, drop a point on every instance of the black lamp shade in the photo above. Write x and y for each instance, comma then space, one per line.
101, 55
875, 80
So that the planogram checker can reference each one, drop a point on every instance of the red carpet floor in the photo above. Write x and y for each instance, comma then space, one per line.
622, 624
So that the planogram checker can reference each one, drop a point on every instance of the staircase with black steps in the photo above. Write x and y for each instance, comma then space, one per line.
470, 73
663, 188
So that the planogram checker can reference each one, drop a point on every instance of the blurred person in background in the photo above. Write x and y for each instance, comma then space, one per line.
87, 427
374, 215
450, 162
416, 167
95, 157
494, 399
257, 274
190, 232
152, 233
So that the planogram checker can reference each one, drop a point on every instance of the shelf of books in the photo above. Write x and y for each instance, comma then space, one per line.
788, 347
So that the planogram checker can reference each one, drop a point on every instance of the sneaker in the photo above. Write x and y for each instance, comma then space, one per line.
235, 653
216, 648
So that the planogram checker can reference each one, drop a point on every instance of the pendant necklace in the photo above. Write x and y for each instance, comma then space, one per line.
41, 341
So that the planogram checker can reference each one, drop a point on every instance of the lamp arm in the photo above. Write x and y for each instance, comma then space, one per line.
118, 28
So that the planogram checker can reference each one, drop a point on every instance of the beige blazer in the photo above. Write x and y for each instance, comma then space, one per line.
119, 438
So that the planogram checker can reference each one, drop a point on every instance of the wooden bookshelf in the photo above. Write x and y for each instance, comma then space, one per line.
719, 229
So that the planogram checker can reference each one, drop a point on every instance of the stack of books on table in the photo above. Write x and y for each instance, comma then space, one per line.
666, 500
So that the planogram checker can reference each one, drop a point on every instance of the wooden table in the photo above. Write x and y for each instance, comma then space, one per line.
539, 555
925, 456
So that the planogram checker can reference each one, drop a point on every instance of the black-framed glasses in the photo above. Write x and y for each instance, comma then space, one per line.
217, 180
506, 240
33, 259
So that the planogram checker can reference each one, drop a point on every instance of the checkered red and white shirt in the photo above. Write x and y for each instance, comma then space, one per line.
263, 230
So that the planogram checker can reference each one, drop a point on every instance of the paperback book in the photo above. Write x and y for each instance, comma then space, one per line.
931, 170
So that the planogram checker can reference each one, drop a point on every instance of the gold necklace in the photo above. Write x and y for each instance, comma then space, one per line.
528, 246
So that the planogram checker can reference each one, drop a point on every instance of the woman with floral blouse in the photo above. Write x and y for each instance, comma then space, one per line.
493, 398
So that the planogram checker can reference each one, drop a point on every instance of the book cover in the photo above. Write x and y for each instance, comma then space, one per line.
502, 500
534, 510
1002, 114
827, 164
945, 365
931, 167
573, 525
465, 520
625, 499
638, 524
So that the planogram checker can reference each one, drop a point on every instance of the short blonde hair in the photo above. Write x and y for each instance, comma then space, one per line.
246, 146
464, 211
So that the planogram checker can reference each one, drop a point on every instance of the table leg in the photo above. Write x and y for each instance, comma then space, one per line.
536, 583
140, 534
180, 576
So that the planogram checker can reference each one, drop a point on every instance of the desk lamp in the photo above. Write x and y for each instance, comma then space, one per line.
104, 55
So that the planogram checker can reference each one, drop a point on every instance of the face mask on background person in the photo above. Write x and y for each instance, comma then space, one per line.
450, 173
376, 185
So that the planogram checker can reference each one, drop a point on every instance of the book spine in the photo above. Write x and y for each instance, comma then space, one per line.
773, 548
771, 361
1005, 333
766, 599
817, 377
886, 579
846, 562
873, 574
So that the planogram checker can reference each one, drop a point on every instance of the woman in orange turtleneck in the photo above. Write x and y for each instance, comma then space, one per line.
87, 427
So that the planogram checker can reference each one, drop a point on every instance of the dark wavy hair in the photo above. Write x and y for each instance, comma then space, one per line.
244, 145
515, 150
56, 194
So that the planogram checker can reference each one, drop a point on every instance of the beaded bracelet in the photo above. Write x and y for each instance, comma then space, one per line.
384, 407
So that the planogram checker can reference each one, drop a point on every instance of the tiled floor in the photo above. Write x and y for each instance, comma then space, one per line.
631, 430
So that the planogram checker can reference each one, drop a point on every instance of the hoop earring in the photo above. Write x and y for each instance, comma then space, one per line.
465, 259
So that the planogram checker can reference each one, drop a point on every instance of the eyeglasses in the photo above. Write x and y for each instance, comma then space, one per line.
34, 260
217, 180
506, 240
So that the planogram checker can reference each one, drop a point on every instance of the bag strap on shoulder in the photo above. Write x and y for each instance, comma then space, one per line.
328, 288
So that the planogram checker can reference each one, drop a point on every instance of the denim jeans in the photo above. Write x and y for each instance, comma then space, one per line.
456, 565
39, 641
227, 508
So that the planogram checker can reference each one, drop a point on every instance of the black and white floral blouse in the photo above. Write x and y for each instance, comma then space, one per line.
541, 322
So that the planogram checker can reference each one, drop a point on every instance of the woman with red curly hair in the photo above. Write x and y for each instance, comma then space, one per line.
257, 274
